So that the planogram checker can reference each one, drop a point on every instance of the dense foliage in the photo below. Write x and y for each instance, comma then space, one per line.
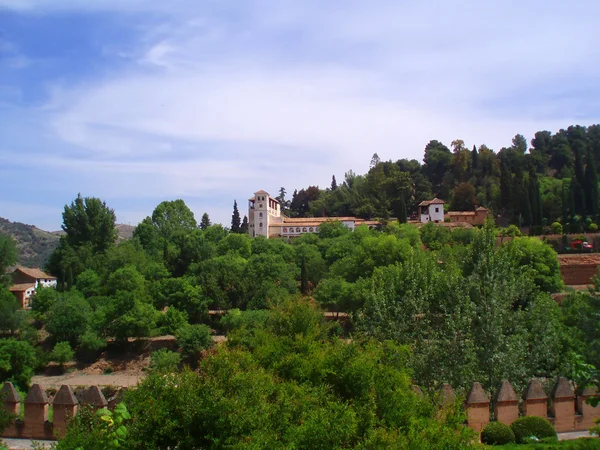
288, 384
552, 179
497, 433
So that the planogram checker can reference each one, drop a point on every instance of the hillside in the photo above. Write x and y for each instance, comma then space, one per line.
35, 246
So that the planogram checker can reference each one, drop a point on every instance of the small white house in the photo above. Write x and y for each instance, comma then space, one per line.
431, 210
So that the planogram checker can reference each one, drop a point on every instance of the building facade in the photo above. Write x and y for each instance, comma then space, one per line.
431, 211
26, 281
266, 219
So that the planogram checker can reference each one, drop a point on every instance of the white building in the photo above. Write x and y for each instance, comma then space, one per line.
26, 281
431, 211
265, 219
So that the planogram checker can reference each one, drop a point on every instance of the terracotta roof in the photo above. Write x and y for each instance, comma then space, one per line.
36, 395
21, 287
9, 394
262, 192
481, 208
95, 397
461, 213
65, 396
34, 273
535, 391
506, 393
562, 389
321, 219
477, 394
435, 201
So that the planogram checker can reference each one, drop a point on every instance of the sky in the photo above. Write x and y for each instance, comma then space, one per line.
141, 101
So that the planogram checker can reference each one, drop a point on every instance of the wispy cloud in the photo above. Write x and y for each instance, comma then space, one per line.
212, 101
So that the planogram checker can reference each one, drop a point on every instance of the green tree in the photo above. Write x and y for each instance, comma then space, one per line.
17, 362
43, 299
205, 222
164, 361
333, 183
463, 198
12, 317
235, 219
8, 256
62, 353
89, 221
67, 319
244, 226
191, 340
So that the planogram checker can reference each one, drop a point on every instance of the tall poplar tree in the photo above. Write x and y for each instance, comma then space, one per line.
244, 226
235, 219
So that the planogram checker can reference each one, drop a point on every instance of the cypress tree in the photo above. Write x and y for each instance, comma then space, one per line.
565, 202
505, 186
333, 183
244, 226
205, 221
474, 157
235, 219
591, 187
402, 209
303, 277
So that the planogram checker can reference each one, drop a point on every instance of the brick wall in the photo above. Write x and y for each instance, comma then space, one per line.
578, 274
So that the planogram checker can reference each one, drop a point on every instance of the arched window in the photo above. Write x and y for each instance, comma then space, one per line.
297, 230
260, 225
259, 214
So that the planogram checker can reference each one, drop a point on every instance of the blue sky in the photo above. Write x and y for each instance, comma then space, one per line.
139, 101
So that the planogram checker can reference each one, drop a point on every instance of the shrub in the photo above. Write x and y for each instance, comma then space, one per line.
524, 427
192, 339
592, 228
164, 360
497, 433
557, 228
62, 353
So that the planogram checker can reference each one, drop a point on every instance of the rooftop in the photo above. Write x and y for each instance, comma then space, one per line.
21, 287
435, 201
34, 273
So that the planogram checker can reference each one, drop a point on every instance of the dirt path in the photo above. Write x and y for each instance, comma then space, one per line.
79, 379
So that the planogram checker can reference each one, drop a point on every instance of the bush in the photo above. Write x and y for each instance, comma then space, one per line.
164, 360
524, 427
62, 353
192, 339
556, 228
592, 228
497, 433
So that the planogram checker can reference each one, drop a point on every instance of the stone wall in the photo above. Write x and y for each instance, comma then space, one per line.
33, 423
566, 410
578, 274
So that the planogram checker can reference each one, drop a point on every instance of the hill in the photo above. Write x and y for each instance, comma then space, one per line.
35, 245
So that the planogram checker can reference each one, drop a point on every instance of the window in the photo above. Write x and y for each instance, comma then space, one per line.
437, 209
260, 225
259, 214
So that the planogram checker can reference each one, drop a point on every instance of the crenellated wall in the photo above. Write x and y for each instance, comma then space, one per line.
566, 410
34, 423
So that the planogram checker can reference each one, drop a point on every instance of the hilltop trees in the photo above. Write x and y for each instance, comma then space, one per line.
8, 256
235, 219
205, 222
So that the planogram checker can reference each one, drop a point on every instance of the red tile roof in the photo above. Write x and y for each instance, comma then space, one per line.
435, 201
22, 287
34, 273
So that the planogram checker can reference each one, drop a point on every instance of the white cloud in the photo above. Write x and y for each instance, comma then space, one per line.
222, 100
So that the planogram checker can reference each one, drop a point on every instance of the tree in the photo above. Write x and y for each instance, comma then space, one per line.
8, 256
333, 184
89, 221
67, 319
62, 353
463, 198
205, 222
244, 226
12, 317
375, 160
17, 362
474, 160
235, 219
191, 340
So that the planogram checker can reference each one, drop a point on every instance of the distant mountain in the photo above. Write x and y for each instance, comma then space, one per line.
35, 246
